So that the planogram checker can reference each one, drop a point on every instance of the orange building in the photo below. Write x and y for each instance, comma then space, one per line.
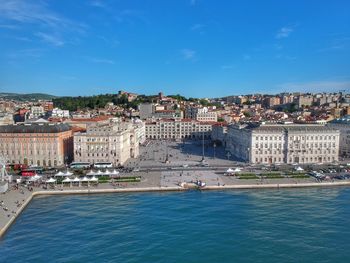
37, 144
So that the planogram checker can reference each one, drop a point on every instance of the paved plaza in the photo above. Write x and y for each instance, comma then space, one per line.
189, 152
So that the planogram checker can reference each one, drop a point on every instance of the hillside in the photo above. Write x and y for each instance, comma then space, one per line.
27, 97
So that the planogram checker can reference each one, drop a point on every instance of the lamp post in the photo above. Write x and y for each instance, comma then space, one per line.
214, 145
167, 154
202, 146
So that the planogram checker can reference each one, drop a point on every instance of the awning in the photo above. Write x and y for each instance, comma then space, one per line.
91, 173
94, 179
66, 180
60, 174
51, 180
68, 173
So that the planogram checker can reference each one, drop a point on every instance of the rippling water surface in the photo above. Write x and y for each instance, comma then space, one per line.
297, 225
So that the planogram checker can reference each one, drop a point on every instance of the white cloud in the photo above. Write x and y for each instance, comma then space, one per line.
286, 57
101, 60
247, 57
29, 52
188, 54
69, 77
97, 3
227, 67
316, 86
9, 26
51, 39
197, 27
110, 42
342, 43
284, 32
37, 13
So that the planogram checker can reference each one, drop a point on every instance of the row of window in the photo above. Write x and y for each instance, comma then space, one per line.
311, 137
295, 159
25, 152
309, 151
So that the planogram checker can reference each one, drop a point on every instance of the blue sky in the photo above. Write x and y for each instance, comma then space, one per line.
198, 48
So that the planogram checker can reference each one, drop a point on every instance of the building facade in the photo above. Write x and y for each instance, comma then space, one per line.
146, 110
201, 114
58, 113
178, 129
113, 142
343, 125
291, 143
37, 144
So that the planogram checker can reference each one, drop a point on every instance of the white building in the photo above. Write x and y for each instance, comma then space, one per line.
343, 125
36, 112
113, 142
201, 114
6, 119
291, 143
178, 129
139, 130
58, 113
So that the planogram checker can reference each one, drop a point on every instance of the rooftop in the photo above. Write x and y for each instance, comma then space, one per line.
35, 128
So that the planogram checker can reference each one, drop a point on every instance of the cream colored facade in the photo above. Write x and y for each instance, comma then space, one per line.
267, 144
6, 119
178, 129
113, 142
343, 125
37, 144
201, 114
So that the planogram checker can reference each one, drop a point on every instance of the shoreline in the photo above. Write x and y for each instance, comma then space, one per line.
13, 218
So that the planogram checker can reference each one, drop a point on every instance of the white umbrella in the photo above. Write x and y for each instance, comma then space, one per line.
299, 169
37, 177
99, 172
85, 179
60, 174
51, 180
91, 173
34, 178
76, 180
31, 179
237, 170
229, 170
66, 180
107, 172
93, 179
115, 172
68, 173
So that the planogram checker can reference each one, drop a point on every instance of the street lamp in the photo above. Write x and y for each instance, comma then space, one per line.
214, 145
167, 154
202, 146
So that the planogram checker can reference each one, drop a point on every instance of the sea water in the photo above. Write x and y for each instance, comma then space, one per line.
287, 225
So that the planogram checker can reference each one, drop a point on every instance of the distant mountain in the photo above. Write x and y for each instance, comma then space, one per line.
26, 97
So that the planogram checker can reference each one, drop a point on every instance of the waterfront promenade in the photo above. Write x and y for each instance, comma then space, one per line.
15, 200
